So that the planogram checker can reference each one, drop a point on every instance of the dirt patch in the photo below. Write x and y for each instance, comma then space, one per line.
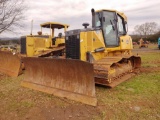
146, 70
149, 70
71, 112
2, 76
146, 107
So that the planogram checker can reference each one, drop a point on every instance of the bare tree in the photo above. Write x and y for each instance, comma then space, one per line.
138, 30
146, 28
11, 15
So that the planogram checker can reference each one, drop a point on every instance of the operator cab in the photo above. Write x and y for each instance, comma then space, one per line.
53, 26
112, 23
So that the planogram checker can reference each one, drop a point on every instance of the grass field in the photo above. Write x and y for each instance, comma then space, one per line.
137, 98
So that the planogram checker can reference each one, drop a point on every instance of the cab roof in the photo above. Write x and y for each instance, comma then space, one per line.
54, 25
120, 13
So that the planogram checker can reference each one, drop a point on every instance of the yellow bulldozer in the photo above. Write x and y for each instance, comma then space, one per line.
143, 43
44, 45
100, 54
41, 45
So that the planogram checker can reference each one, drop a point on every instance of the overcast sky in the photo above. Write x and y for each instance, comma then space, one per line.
76, 12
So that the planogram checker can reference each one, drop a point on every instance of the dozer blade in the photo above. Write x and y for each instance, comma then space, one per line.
72, 79
10, 64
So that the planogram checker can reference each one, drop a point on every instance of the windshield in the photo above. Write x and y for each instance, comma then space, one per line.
109, 27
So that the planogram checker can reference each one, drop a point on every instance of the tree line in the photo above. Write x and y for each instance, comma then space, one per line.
9, 42
149, 31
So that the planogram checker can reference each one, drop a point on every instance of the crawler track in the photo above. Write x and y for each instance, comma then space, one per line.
111, 71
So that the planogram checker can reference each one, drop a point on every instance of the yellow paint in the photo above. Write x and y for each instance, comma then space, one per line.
111, 71
91, 40
120, 13
59, 41
126, 42
30, 46
83, 45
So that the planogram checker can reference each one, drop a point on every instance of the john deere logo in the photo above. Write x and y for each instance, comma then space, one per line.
127, 41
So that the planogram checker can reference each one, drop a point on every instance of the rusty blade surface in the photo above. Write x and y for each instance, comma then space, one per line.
9, 63
136, 61
68, 78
